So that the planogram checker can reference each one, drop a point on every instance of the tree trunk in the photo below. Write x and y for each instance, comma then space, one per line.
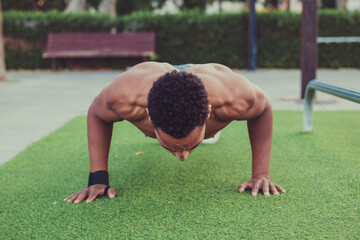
341, 4
105, 6
113, 14
76, 6
108, 6
2, 50
287, 5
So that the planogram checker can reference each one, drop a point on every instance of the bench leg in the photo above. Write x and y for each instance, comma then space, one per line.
54, 64
308, 110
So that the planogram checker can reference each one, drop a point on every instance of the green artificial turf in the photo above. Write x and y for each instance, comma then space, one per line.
160, 197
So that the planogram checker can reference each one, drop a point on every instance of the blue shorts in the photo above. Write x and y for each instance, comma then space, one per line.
183, 66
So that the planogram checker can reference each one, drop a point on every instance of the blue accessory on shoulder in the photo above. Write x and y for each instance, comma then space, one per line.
183, 66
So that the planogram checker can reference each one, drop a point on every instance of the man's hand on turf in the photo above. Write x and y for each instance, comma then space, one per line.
263, 183
91, 193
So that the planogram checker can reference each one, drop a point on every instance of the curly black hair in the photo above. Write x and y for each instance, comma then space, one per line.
177, 103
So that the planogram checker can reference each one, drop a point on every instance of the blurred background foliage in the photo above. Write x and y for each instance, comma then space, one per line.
33, 5
124, 7
190, 36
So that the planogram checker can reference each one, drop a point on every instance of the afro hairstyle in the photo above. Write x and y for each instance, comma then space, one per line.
178, 103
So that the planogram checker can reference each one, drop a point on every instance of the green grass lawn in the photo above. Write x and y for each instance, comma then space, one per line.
160, 197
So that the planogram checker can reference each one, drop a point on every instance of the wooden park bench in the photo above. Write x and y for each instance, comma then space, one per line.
98, 45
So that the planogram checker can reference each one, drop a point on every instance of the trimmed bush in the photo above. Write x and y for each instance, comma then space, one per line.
278, 39
339, 23
194, 37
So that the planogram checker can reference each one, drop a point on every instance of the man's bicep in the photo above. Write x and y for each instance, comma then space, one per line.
102, 108
259, 104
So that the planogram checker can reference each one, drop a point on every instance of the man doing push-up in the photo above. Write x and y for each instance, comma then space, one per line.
180, 107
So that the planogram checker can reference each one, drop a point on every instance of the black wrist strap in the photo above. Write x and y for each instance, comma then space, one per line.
99, 177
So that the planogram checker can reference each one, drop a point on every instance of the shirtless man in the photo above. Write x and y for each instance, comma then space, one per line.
180, 108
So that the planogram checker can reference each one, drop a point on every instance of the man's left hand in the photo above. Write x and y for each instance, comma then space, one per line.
263, 183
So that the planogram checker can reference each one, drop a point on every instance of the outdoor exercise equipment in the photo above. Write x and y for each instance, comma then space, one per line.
309, 29
309, 84
343, 92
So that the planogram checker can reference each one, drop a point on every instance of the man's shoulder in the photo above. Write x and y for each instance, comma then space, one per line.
152, 67
137, 77
230, 93
221, 82
209, 68
128, 91
215, 73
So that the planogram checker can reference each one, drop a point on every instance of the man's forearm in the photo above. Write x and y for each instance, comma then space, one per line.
99, 139
260, 133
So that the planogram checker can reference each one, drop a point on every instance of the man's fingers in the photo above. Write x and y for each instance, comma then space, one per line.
73, 197
82, 196
69, 197
92, 196
273, 189
265, 188
280, 188
255, 188
243, 186
111, 193
265, 185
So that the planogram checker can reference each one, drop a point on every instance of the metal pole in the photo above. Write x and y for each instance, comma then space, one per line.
309, 29
252, 36
2, 50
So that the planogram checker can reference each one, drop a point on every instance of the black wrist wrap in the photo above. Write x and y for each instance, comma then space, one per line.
99, 177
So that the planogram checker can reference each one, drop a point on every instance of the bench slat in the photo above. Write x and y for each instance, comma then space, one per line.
96, 54
85, 45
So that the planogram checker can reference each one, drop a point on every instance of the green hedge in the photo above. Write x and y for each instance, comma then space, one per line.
339, 23
278, 40
193, 37
36, 26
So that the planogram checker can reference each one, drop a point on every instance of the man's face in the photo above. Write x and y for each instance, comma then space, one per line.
181, 148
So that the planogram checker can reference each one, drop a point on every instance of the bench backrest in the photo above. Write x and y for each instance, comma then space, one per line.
78, 45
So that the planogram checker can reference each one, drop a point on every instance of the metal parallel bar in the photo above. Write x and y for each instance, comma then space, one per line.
351, 39
339, 91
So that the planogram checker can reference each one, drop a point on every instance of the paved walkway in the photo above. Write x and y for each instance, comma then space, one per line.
33, 104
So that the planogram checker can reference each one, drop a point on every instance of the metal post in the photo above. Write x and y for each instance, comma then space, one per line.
308, 110
252, 36
3, 77
309, 31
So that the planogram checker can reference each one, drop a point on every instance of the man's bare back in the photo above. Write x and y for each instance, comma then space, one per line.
230, 95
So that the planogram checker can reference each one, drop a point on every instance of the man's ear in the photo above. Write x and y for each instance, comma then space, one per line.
209, 110
147, 110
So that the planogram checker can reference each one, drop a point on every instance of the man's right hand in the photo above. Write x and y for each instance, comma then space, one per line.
91, 193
